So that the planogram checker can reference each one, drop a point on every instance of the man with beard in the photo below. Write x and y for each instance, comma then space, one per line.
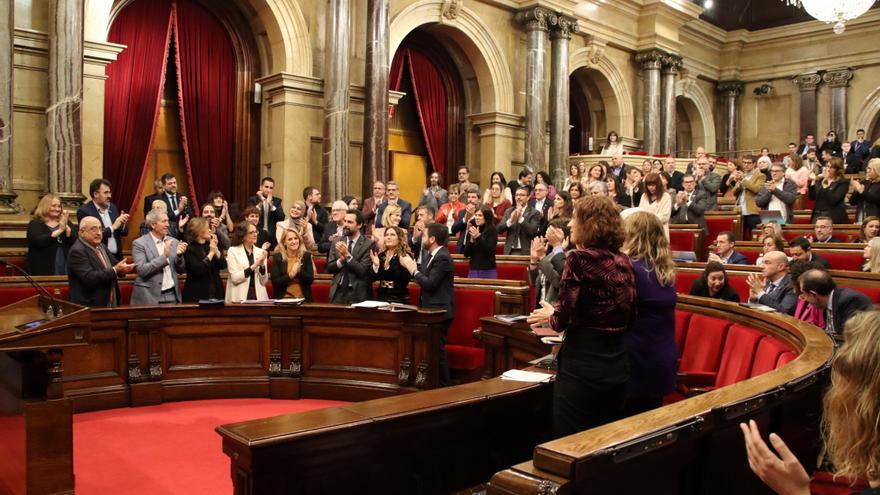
349, 262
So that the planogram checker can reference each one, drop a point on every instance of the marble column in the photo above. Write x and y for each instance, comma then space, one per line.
375, 165
730, 91
559, 96
807, 84
671, 65
336, 99
651, 61
838, 81
536, 21
63, 115
7, 196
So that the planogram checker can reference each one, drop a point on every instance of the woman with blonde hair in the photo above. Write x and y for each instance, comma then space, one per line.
869, 230
798, 173
293, 269
866, 195
650, 341
849, 425
390, 217
872, 256
49, 235
389, 271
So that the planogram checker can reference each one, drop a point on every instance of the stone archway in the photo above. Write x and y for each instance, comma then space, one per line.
600, 72
698, 111
868, 117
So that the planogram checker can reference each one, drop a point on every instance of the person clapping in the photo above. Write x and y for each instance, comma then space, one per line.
388, 270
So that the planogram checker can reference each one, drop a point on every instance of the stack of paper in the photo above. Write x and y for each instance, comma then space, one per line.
370, 304
526, 376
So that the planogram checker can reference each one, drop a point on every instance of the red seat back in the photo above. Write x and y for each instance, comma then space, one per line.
320, 292
684, 281
682, 320
842, 260
684, 241
785, 358
703, 344
739, 352
767, 355
512, 271
320, 263
470, 306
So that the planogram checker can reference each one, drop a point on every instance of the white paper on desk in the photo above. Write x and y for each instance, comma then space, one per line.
526, 376
370, 304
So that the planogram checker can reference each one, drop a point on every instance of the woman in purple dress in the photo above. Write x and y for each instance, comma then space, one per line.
650, 342
595, 306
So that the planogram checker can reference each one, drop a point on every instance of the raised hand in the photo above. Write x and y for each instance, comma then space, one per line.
374, 259
409, 264
265, 247
182, 205
541, 316
784, 474
294, 269
181, 248
473, 231
342, 249
123, 267
756, 283
167, 250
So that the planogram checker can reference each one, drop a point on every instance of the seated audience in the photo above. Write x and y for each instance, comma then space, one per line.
596, 172
387, 268
851, 415
713, 283
866, 194
371, 205
216, 227
650, 340
778, 194
546, 259
390, 218
798, 173
114, 221
50, 233
91, 275
597, 297
392, 193
839, 303
562, 207
612, 186
597, 188
349, 262
523, 180
770, 243
656, 201
448, 211
773, 286
576, 192
724, 250
870, 229
479, 244
805, 311
203, 261
829, 193
497, 202
771, 228
158, 259
872, 256
575, 175
823, 232
246, 263
433, 195
542, 177
293, 269
497, 178
297, 221
332, 232
521, 223
746, 184
269, 211
632, 189
689, 204
800, 249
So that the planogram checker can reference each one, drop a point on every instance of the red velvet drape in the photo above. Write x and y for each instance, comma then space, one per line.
132, 95
206, 82
430, 96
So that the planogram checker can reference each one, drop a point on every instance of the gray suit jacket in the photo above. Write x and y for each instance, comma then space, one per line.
709, 185
787, 195
550, 267
150, 265
358, 269
694, 211
525, 231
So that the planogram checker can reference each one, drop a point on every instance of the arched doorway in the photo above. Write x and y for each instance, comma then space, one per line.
690, 125
579, 120
593, 112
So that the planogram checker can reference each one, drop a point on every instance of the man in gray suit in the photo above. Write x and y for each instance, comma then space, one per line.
521, 222
158, 260
349, 262
778, 193
773, 286
690, 204
707, 181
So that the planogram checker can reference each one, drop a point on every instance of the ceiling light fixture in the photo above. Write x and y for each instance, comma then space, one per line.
836, 11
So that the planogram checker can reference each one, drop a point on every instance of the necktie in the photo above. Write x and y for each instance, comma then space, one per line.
345, 282
266, 207
771, 288
100, 255
173, 199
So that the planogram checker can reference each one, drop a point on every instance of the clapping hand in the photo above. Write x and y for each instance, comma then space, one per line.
474, 231
857, 186
294, 269
182, 204
313, 215
409, 264
374, 259
681, 197
181, 222
181, 248
538, 248
265, 247
342, 249
756, 283
167, 250
714, 257
784, 474
123, 267
541, 316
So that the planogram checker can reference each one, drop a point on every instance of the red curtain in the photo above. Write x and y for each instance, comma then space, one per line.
206, 82
430, 96
132, 95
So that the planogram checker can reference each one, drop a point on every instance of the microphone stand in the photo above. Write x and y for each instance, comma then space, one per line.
54, 310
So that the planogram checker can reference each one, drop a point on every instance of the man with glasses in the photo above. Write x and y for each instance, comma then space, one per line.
823, 231
333, 228
746, 184
778, 193
707, 181
92, 275
464, 178
393, 197
690, 204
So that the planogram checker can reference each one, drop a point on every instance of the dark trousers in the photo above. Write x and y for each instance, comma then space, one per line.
750, 222
444, 359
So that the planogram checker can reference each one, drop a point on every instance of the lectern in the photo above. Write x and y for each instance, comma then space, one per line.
36, 421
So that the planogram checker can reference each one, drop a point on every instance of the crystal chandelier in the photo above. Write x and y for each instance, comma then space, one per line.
836, 11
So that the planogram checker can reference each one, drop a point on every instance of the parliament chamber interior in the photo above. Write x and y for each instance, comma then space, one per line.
494, 247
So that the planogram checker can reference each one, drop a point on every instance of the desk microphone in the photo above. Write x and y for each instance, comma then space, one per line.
53, 306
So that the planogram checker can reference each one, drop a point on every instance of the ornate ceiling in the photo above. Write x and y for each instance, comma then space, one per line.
731, 15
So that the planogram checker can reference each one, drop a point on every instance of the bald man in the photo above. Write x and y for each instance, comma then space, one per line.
773, 286
91, 275
333, 228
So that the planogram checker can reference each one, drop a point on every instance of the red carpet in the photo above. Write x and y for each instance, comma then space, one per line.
169, 449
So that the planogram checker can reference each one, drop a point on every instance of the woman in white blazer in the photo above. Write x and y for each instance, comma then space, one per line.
246, 263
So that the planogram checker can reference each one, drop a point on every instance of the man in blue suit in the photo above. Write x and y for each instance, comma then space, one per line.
861, 147
114, 222
773, 286
436, 275
724, 252
393, 196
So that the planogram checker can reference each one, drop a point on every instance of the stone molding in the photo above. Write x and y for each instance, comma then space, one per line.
731, 88
564, 27
838, 78
807, 82
536, 18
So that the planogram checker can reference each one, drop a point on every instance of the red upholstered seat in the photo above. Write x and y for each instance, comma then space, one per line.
682, 320
739, 352
872, 291
320, 292
842, 260
824, 483
785, 358
684, 281
718, 224
125, 290
461, 268
684, 241
703, 345
320, 263
513, 271
15, 294
767, 355
465, 352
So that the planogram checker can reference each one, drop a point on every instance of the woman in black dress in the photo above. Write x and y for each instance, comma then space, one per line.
293, 269
392, 276
713, 283
203, 263
479, 245
829, 193
49, 235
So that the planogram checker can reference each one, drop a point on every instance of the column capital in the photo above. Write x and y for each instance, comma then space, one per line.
564, 27
838, 78
651, 59
731, 88
671, 64
536, 18
807, 82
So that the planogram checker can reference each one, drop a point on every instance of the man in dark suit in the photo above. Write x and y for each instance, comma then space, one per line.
675, 177
801, 250
839, 303
808, 144
332, 230
523, 179
823, 231
349, 262
852, 163
436, 275
159, 189
725, 253
315, 213
466, 215
690, 204
861, 147
371, 205
521, 223
778, 193
271, 210
773, 286
392, 191
92, 275
114, 223
178, 205
541, 203
618, 168
707, 181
